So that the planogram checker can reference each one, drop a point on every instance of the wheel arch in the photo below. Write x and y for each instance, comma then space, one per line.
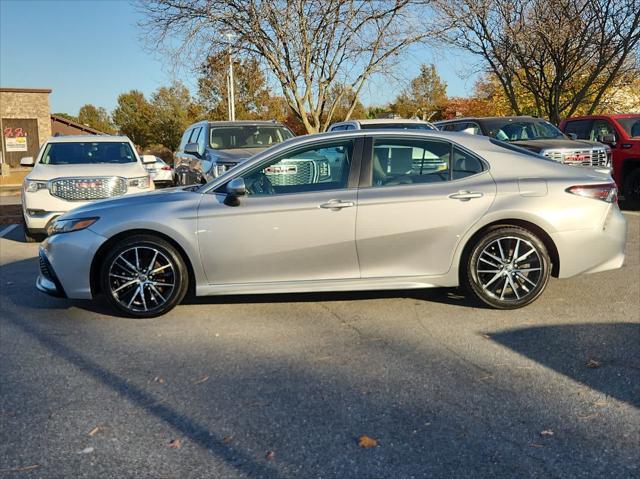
528, 225
99, 256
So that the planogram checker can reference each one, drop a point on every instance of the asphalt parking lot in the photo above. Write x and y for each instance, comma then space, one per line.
284, 386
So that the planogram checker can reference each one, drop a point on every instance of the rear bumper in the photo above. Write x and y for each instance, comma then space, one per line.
593, 250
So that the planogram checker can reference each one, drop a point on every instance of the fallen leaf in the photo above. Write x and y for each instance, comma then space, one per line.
271, 455
366, 442
593, 364
227, 439
600, 403
20, 469
95, 431
158, 379
175, 444
546, 432
536, 445
201, 380
486, 336
86, 450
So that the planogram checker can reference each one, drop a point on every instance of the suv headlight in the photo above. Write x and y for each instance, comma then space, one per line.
67, 226
32, 186
140, 182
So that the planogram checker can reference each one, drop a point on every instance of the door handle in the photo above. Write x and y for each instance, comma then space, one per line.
337, 204
466, 195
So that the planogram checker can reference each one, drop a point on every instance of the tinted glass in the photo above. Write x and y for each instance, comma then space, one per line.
184, 140
522, 130
465, 164
89, 152
318, 168
397, 126
234, 137
631, 126
580, 128
403, 162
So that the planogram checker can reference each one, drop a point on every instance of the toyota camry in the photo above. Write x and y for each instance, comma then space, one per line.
356, 210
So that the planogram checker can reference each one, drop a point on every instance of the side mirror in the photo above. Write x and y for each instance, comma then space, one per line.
608, 139
573, 136
192, 149
235, 189
148, 159
26, 161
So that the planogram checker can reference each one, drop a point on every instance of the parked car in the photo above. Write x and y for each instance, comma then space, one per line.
209, 148
382, 124
161, 174
622, 134
499, 220
535, 135
70, 171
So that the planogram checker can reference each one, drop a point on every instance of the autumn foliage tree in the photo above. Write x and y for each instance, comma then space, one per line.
425, 98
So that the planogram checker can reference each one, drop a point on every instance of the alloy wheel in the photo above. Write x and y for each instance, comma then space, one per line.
509, 269
142, 278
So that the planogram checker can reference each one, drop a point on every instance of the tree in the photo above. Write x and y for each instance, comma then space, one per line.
253, 98
425, 98
563, 53
133, 116
347, 104
67, 116
95, 117
173, 110
309, 46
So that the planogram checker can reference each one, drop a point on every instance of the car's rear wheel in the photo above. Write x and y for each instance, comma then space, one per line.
507, 268
631, 189
143, 276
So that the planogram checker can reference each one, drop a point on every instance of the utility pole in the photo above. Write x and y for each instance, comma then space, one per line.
230, 90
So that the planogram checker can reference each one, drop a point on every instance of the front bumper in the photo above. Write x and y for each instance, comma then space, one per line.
67, 259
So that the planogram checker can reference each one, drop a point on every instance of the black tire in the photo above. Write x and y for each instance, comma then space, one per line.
30, 237
492, 274
142, 260
631, 189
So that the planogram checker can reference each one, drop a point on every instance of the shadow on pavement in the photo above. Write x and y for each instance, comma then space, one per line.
605, 357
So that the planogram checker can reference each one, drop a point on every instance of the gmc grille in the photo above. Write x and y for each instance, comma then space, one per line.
82, 189
591, 157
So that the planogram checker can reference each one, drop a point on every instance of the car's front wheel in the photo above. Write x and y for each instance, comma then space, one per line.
143, 276
507, 268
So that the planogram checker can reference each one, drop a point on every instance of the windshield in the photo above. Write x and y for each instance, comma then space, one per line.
518, 149
631, 126
254, 136
397, 126
88, 152
523, 130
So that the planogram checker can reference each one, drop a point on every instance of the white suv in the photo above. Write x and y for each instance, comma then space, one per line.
71, 171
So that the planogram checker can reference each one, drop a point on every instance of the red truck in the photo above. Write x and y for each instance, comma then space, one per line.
622, 134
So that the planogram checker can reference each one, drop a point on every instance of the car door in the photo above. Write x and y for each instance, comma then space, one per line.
418, 198
297, 222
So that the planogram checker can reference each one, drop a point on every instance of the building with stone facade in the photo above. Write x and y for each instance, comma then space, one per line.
25, 122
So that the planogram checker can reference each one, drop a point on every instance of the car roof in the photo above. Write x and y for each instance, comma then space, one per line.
87, 138
604, 115
481, 118
238, 123
377, 121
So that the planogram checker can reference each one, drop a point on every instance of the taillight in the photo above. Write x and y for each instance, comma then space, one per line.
166, 168
605, 192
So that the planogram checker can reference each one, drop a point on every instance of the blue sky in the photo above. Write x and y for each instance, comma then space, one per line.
90, 51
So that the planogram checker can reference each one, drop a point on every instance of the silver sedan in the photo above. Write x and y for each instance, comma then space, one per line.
362, 210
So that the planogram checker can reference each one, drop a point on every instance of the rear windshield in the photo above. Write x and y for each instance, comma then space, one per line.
235, 137
631, 126
397, 126
88, 152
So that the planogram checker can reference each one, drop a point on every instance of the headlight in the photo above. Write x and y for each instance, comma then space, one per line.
31, 186
140, 182
66, 226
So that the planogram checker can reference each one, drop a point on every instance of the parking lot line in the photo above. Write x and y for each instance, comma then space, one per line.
7, 230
